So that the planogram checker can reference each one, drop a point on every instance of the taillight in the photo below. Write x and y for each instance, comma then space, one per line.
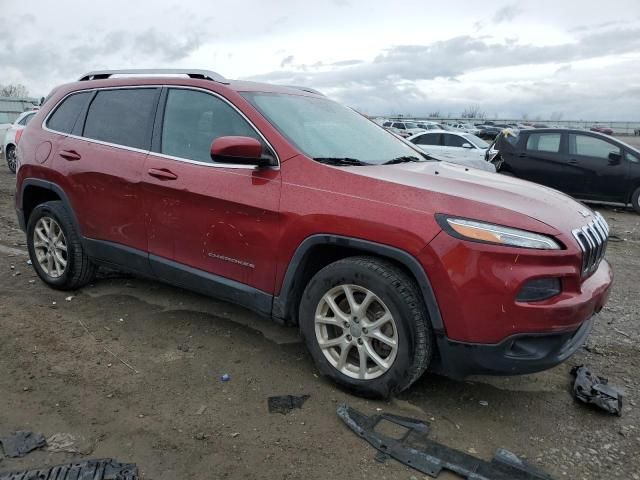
18, 135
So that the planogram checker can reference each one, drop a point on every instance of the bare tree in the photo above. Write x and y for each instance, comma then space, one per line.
434, 114
14, 90
473, 111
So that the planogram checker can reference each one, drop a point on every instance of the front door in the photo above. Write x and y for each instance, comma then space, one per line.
206, 218
600, 168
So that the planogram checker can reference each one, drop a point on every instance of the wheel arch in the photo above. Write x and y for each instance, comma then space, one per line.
36, 191
318, 251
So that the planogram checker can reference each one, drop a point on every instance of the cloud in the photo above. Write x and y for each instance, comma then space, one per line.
286, 61
455, 57
392, 79
507, 13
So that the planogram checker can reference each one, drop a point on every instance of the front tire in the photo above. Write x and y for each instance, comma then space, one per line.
10, 156
635, 200
366, 326
55, 248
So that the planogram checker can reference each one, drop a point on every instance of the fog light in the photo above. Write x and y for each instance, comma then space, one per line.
539, 289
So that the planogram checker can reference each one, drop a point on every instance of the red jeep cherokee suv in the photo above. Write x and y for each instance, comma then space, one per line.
281, 200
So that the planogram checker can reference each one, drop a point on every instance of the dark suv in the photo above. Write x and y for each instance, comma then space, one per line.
302, 210
586, 165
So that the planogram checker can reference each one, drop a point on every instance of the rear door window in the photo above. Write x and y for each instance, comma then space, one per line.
386, 124
122, 117
193, 119
428, 139
399, 126
544, 142
66, 114
588, 146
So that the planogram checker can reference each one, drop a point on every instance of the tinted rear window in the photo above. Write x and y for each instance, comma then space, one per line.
427, 139
65, 116
123, 117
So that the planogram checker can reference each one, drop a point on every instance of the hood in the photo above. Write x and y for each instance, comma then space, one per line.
482, 195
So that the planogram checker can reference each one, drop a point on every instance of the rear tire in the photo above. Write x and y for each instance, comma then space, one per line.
635, 200
365, 324
55, 248
10, 156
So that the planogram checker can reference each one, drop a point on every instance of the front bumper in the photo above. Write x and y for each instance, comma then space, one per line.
516, 355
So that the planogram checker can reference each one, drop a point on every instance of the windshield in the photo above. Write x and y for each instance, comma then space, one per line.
411, 125
477, 141
323, 129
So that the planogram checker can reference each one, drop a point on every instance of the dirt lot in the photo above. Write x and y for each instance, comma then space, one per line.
177, 420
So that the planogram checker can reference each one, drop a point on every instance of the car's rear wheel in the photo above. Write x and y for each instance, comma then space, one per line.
635, 200
366, 326
11, 158
55, 248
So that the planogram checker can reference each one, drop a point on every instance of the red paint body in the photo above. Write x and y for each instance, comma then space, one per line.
186, 211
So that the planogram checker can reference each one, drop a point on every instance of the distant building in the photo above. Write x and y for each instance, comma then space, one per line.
11, 107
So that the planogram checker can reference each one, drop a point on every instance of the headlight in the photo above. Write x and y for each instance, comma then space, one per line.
496, 234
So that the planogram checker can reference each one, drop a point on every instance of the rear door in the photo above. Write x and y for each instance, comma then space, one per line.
206, 217
540, 159
599, 166
102, 164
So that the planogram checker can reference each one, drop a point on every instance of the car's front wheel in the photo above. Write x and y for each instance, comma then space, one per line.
55, 248
635, 200
365, 324
11, 158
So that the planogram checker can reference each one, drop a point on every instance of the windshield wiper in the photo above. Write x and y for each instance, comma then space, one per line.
404, 159
340, 161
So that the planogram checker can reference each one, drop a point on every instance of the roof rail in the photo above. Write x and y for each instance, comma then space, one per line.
305, 89
191, 73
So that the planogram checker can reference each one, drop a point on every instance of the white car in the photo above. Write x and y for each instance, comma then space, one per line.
12, 136
466, 128
443, 141
404, 129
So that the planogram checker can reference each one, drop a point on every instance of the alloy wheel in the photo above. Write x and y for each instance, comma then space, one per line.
50, 246
356, 332
11, 158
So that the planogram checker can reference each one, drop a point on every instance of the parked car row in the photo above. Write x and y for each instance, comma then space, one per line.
12, 137
389, 263
584, 164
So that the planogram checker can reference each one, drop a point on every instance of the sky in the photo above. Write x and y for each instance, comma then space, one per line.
560, 59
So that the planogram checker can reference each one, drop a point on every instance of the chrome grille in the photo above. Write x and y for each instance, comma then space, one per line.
592, 239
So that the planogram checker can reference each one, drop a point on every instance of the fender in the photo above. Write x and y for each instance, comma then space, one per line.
36, 182
281, 303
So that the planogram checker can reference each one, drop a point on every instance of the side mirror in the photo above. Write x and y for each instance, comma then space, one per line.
239, 150
614, 158
467, 145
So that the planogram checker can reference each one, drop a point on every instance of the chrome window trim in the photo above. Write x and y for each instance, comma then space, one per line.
158, 154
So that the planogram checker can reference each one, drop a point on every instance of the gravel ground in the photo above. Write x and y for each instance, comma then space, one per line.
132, 368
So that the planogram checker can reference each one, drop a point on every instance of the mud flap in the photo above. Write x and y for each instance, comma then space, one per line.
416, 450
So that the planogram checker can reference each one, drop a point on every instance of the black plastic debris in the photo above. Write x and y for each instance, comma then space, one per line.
414, 449
590, 388
103, 469
285, 403
18, 444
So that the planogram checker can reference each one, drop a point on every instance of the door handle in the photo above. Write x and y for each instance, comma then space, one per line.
523, 155
573, 161
70, 155
162, 173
